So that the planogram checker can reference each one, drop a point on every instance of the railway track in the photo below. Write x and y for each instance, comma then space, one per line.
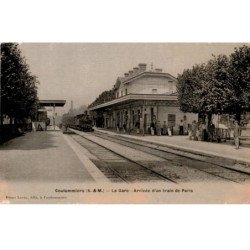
115, 159
208, 164
117, 167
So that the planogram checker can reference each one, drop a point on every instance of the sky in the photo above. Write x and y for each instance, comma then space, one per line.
79, 72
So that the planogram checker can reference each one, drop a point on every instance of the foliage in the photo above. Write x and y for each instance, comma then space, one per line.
221, 86
104, 97
68, 119
78, 111
18, 86
216, 87
189, 88
239, 70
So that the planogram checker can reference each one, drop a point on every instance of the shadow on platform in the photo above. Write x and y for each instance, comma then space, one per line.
31, 141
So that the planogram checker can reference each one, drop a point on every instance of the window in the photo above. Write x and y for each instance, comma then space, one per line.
154, 91
121, 93
171, 120
126, 91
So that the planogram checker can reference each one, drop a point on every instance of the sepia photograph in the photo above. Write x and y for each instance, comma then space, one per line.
125, 123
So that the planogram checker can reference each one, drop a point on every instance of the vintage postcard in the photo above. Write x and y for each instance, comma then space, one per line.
125, 123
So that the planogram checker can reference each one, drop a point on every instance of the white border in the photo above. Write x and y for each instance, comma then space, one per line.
125, 21
124, 227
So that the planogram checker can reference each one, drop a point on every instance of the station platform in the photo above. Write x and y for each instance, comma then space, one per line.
52, 128
46, 156
225, 150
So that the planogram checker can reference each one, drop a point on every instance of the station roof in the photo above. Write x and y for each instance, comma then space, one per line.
133, 97
51, 103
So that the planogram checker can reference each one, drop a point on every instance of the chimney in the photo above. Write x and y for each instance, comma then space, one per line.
136, 70
130, 72
158, 70
142, 67
126, 74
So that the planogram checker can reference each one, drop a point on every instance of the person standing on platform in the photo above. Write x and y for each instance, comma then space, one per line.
169, 131
237, 132
203, 131
194, 128
181, 128
158, 128
137, 125
185, 127
152, 128
124, 128
164, 128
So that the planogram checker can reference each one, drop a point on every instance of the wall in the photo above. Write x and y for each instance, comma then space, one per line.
164, 111
145, 84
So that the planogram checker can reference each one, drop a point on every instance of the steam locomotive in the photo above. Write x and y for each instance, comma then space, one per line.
82, 122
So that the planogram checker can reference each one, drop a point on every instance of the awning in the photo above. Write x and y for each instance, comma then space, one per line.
52, 103
134, 97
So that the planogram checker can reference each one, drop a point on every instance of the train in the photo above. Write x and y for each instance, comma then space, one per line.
82, 122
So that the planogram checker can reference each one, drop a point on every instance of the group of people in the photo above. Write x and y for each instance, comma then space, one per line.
157, 129
200, 131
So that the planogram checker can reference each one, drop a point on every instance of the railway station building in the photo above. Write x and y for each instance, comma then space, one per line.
142, 97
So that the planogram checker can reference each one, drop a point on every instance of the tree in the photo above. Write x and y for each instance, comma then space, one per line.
105, 96
216, 88
68, 119
18, 86
239, 80
221, 86
190, 90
